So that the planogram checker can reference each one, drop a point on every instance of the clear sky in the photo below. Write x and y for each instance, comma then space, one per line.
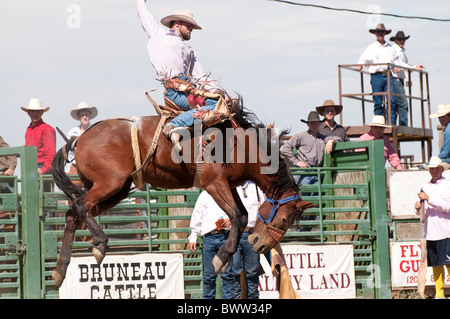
282, 59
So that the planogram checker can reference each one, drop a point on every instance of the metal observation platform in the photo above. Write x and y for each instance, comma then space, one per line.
418, 97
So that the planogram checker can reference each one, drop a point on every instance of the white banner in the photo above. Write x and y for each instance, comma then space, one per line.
316, 271
405, 262
137, 276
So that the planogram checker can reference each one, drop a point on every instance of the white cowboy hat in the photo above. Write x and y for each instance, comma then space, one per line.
442, 109
83, 106
378, 120
182, 15
35, 105
435, 161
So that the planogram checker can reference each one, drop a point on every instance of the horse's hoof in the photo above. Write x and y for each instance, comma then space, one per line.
58, 278
98, 255
219, 265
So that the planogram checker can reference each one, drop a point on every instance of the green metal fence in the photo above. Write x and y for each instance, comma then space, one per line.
351, 209
141, 223
351, 198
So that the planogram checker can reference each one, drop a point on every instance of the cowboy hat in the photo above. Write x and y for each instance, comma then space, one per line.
182, 15
399, 36
380, 27
83, 106
327, 103
312, 117
378, 120
442, 109
435, 161
35, 105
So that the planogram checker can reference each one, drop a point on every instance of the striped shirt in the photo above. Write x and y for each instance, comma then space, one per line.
310, 148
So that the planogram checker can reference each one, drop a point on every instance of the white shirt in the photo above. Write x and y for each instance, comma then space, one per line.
169, 53
76, 131
437, 210
377, 53
401, 60
251, 200
206, 211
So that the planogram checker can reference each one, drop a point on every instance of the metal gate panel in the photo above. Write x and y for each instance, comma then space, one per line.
349, 212
139, 223
11, 247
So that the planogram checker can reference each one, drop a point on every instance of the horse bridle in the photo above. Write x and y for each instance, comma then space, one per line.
276, 233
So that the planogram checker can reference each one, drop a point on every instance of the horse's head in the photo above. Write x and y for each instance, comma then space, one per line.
274, 219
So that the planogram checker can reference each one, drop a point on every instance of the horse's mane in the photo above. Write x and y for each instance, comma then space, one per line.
282, 178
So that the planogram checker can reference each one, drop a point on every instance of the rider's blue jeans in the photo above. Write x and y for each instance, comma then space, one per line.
179, 98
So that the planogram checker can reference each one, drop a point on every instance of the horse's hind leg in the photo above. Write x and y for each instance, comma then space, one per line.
98, 200
71, 225
99, 238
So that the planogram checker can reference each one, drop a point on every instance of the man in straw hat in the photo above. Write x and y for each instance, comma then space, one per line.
399, 76
310, 146
41, 135
376, 133
436, 197
443, 114
380, 52
83, 113
173, 58
329, 126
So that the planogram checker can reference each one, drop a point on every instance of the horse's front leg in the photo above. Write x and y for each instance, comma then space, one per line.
238, 216
71, 225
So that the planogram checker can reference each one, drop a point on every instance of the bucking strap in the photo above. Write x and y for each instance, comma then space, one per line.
153, 144
137, 178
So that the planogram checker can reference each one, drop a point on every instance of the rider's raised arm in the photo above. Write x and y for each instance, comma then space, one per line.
149, 24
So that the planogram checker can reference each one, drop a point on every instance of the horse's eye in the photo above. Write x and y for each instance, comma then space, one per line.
284, 220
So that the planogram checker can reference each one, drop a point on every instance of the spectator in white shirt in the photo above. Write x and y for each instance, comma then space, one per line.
83, 113
380, 52
435, 197
245, 259
211, 222
173, 58
399, 76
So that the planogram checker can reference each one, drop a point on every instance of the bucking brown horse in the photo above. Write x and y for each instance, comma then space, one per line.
228, 154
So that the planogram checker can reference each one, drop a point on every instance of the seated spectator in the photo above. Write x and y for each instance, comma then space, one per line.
376, 133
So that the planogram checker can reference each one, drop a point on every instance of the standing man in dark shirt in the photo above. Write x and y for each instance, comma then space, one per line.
329, 127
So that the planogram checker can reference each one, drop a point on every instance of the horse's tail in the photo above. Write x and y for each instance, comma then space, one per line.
60, 177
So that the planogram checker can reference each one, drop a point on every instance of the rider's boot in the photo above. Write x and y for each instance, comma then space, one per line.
173, 133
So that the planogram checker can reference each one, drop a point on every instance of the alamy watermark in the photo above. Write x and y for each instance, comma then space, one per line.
375, 18
73, 21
